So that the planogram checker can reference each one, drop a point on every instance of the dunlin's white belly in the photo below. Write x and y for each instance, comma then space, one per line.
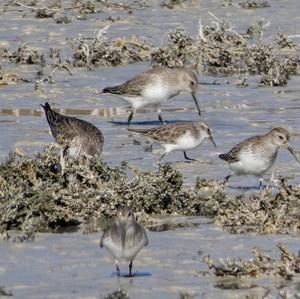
126, 254
184, 142
153, 95
249, 164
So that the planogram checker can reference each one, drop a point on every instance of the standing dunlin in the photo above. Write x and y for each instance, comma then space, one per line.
178, 137
257, 154
154, 86
76, 137
125, 238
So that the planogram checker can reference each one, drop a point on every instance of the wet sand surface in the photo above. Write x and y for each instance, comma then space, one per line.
71, 265
234, 113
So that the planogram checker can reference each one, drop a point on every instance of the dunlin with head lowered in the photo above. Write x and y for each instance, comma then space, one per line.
76, 137
257, 154
179, 137
125, 238
154, 86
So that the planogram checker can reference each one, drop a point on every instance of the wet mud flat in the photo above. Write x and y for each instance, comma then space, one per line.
229, 243
72, 265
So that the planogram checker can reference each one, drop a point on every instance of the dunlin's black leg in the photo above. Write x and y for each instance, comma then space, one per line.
161, 157
188, 158
226, 179
161, 119
130, 117
118, 270
261, 181
130, 268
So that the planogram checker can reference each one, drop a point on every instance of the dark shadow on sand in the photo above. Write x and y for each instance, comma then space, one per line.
146, 123
136, 274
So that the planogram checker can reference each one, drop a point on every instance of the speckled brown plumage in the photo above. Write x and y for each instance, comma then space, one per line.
180, 136
253, 143
169, 133
257, 154
73, 133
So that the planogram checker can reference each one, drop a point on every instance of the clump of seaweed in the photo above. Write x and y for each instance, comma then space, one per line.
253, 4
101, 51
284, 41
27, 236
10, 77
223, 50
279, 72
172, 3
27, 55
271, 213
34, 196
117, 294
186, 295
44, 13
218, 49
262, 264
4, 292
180, 51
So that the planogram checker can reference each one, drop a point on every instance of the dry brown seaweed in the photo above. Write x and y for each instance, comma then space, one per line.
34, 196
262, 264
117, 294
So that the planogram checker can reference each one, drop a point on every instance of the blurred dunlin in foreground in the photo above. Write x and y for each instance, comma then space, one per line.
125, 238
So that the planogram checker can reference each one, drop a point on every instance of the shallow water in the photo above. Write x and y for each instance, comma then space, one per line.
72, 265
234, 113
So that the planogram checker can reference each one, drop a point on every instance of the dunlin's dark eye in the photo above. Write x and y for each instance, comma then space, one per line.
280, 137
192, 83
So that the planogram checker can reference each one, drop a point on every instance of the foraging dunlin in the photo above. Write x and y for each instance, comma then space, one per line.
154, 86
257, 154
76, 137
178, 137
125, 238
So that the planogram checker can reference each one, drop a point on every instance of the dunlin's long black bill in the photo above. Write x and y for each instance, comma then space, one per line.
290, 149
196, 102
212, 141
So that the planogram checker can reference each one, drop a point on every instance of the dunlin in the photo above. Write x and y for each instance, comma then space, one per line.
178, 137
257, 154
125, 238
76, 137
154, 86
